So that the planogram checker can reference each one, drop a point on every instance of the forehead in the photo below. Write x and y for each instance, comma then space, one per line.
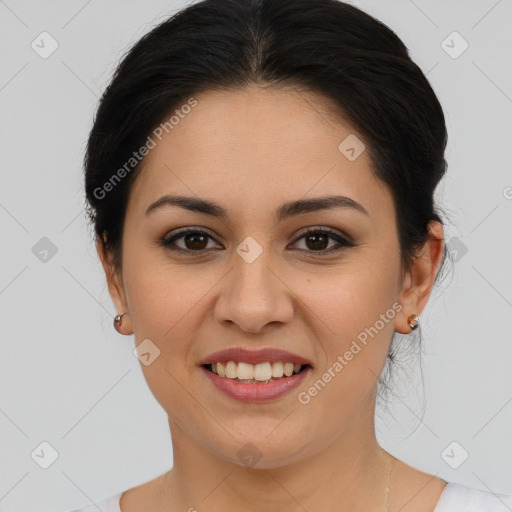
253, 147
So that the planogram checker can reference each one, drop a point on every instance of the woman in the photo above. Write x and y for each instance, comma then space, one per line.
260, 176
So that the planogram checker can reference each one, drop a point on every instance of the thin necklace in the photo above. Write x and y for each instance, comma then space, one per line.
388, 488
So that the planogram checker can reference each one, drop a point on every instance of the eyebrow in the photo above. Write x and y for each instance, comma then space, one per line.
285, 211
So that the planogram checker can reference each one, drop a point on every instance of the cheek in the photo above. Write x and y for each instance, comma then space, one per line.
166, 308
351, 299
353, 319
161, 295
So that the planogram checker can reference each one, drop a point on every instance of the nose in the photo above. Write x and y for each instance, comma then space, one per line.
254, 295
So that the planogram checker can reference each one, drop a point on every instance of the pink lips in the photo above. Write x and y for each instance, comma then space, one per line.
240, 354
257, 392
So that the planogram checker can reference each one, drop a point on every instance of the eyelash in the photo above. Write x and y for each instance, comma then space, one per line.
168, 243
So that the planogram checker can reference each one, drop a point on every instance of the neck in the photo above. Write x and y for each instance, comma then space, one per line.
351, 474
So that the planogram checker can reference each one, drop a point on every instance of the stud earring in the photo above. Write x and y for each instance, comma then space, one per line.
413, 321
118, 321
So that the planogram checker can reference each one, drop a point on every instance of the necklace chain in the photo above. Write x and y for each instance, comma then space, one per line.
388, 488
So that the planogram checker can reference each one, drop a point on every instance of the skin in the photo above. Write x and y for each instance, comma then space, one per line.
251, 150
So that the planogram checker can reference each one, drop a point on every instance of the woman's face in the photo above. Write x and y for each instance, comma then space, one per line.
255, 281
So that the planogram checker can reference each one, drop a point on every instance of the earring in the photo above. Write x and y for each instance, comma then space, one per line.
118, 322
413, 321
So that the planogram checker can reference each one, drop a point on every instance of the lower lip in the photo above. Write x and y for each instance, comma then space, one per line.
256, 392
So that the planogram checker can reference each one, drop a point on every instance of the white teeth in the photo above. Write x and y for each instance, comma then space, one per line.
277, 369
245, 371
262, 372
231, 369
288, 369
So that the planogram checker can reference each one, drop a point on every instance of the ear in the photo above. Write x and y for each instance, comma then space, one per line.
114, 280
419, 281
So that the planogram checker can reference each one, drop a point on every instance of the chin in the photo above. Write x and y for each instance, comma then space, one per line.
260, 450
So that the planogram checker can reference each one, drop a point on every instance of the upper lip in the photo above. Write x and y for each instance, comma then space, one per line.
241, 354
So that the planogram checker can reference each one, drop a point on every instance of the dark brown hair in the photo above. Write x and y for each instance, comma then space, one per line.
326, 46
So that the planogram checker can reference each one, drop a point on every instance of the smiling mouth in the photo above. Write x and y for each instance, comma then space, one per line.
255, 373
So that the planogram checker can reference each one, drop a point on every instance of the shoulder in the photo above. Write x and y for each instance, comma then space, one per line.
110, 504
461, 498
133, 498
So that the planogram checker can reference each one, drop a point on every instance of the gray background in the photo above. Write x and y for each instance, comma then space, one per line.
67, 377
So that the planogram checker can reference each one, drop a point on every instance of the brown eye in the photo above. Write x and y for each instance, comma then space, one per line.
317, 240
193, 241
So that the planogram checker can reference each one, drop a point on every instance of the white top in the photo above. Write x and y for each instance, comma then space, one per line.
455, 498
